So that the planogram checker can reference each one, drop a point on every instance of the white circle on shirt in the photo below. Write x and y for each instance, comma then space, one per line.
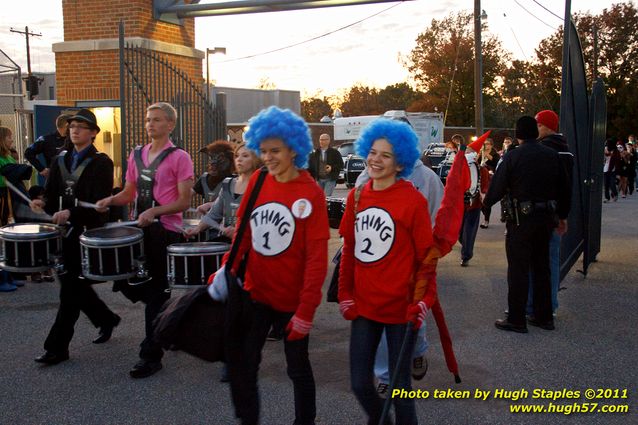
301, 208
273, 228
374, 233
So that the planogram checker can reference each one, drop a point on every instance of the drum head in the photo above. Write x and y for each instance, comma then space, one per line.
111, 236
29, 231
197, 248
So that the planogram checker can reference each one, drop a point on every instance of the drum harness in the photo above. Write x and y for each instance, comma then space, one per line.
68, 198
146, 179
209, 194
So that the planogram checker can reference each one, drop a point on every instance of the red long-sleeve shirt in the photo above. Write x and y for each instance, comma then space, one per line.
287, 244
383, 251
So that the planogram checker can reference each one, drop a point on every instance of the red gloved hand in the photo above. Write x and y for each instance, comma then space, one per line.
348, 309
416, 314
297, 328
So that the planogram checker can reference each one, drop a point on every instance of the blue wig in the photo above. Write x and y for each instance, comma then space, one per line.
399, 134
283, 124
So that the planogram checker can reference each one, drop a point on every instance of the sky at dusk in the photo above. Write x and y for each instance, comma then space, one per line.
369, 52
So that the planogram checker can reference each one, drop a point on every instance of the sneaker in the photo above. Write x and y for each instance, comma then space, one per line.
145, 368
382, 390
419, 367
275, 335
7, 287
484, 225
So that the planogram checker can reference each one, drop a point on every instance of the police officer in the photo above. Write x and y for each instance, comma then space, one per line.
84, 174
536, 183
49, 146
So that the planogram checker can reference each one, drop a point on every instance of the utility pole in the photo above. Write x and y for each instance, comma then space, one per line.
32, 82
478, 70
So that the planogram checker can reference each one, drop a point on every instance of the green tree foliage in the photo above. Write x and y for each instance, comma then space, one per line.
315, 108
442, 64
617, 59
398, 96
361, 100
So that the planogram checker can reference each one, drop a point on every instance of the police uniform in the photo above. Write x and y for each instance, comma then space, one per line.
90, 180
536, 183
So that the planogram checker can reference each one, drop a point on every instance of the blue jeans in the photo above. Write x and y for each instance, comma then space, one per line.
364, 339
327, 185
467, 236
554, 274
381, 361
609, 181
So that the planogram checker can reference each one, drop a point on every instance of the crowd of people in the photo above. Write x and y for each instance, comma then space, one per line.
267, 197
621, 161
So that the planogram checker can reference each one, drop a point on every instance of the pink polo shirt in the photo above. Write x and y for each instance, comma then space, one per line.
175, 168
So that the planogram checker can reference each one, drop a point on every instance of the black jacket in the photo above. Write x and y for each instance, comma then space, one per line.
558, 142
531, 172
96, 182
48, 145
333, 159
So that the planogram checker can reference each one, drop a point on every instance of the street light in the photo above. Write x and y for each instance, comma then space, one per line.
478, 67
221, 50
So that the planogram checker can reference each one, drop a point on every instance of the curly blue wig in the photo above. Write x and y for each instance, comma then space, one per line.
283, 124
399, 134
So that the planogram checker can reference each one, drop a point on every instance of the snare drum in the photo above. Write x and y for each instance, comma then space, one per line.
190, 264
112, 253
336, 207
203, 236
30, 247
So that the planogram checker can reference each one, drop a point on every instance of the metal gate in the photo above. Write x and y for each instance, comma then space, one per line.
145, 78
598, 114
584, 125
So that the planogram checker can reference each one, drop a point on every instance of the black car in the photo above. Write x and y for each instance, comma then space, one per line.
353, 164
438, 159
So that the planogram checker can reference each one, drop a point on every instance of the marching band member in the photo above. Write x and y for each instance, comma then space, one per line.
223, 212
159, 178
79, 174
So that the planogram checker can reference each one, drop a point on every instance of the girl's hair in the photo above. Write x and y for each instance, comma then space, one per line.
400, 135
257, 162
282, 124
4, 135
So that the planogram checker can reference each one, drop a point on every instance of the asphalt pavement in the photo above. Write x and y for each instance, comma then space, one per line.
593, 347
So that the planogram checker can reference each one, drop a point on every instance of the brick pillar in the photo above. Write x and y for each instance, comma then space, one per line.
87, 62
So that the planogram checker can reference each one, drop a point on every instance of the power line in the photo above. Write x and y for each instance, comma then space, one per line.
548, 10
515, 38
539, 19
313, 38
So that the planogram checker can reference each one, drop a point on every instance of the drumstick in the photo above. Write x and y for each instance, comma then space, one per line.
23, 196
87, 204
124, 223
17, 191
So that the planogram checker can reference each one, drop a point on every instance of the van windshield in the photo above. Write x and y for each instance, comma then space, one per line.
346, 149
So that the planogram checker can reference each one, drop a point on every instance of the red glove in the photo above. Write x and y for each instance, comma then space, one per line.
348, 309
297, 328
416, 314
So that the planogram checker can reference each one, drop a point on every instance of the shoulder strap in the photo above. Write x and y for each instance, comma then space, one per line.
226, 185
156, 162
246, 217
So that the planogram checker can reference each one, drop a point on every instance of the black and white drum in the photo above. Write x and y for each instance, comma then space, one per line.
112, 253
204, 236
190, 264
336, 208
30, 247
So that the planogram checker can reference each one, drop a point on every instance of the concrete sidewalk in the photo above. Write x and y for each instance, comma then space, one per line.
594, 346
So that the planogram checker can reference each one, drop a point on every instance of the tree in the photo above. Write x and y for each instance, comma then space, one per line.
361, 100
315, 108
399, 96
442, 64
617, 56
